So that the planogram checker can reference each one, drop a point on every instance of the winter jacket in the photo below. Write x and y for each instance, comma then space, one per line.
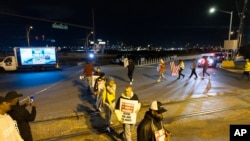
109, 94
23, 117
162, 67
182, 65
247, 66
8, 130
88, 70
145, 129
131, 66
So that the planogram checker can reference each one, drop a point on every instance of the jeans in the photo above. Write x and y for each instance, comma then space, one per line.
127, 134
108, 110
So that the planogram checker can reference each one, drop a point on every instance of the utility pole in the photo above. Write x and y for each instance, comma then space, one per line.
93, 22
242, 16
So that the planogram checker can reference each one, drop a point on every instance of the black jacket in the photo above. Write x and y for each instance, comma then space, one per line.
22, 116
131, 65
145, 131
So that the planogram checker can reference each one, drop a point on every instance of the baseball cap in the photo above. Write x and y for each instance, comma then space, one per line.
3, 99
157, 106
12, 95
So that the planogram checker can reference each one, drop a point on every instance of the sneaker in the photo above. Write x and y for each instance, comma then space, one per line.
99, 109
158, 80
108, 129
130, 83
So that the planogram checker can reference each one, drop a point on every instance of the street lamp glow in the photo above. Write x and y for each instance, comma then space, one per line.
87, 39
212, 10
28, 34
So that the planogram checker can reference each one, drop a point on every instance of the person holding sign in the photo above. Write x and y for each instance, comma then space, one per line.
126, 109
151, 127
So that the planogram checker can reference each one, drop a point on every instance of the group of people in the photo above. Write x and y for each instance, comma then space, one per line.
126, 107
161, 68
15, 118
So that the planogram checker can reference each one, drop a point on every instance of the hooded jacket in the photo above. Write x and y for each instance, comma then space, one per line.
145, 131
23, 117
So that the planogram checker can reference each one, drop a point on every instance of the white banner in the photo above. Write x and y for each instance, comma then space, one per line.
128, 111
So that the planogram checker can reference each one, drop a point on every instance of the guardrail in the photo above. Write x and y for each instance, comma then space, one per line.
152, 61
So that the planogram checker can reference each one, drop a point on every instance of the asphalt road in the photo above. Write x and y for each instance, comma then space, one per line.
191, 104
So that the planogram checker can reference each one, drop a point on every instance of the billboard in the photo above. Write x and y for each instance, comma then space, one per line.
37, 56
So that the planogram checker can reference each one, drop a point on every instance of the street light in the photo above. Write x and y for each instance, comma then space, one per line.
28, 34
87, 39
212, 10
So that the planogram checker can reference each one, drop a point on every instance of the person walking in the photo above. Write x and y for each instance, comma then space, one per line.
97, 76
246, 69
181, 68
126, 110
161, 69
22, 115
99, 87
151, 127
87, 72
97, 71
193, 69
8, 127
131, 68
205, 67
108, 98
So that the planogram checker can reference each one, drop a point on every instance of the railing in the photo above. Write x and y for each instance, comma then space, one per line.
152, 61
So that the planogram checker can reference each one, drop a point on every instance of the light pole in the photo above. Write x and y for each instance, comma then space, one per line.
87, 39
212, 10
28, 34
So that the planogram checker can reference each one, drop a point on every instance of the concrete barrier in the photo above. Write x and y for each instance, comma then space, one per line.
228, 64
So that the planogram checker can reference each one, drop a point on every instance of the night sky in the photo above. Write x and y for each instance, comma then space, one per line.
133, 22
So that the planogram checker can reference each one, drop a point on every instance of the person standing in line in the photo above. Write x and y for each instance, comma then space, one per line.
131, 68
21, 114
161, 68
151, 127
97, 71
181, 68
108, 98
193, 69
205, 67
87, 72
246, 69
99, 87
127, 95
99, 76
8, 127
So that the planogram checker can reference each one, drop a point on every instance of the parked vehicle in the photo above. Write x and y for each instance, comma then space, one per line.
220, 56
211, 61
36, 58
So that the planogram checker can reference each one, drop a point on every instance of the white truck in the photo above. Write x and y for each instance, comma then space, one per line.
36, 58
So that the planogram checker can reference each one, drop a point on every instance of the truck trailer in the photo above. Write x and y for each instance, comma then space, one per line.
35, 58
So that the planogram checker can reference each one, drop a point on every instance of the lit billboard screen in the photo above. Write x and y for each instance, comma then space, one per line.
37, 56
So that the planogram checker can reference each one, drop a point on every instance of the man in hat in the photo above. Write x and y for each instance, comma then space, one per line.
8, 127
151, 127
21, 114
